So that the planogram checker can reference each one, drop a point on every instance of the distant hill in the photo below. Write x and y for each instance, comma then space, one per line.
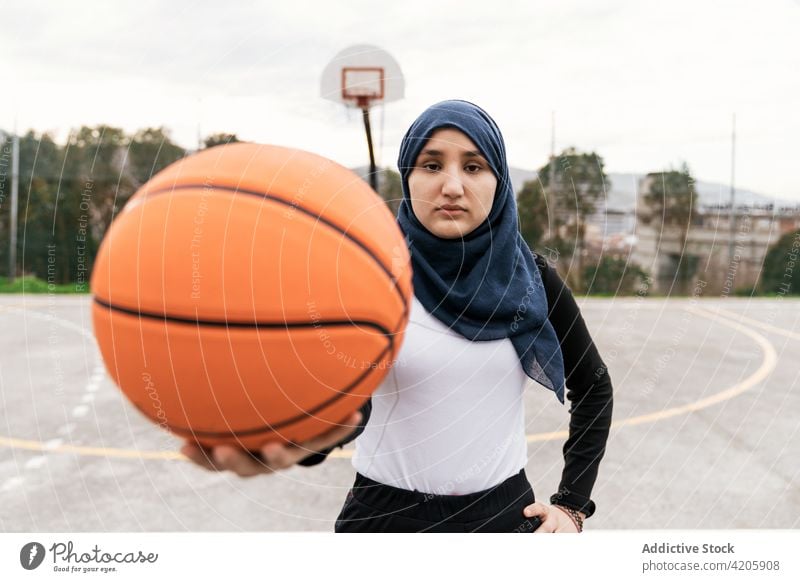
623, 188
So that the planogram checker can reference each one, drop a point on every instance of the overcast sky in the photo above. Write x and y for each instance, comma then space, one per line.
645, 84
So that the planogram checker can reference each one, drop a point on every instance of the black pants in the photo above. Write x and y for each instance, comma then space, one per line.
374, 507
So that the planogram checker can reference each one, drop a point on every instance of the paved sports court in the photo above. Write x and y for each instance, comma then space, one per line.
706, 434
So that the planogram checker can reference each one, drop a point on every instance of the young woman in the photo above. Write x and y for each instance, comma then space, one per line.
441, 444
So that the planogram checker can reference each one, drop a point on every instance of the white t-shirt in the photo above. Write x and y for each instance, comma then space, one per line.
449, 417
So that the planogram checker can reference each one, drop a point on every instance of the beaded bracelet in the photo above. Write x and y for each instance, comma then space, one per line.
574, 516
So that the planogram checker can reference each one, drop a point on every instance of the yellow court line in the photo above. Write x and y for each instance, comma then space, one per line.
756, 323
767, 366
89, 451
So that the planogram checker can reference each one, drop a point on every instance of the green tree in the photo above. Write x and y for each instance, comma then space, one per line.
220, 139
150, 151
532, 210
99, 176
574, 184
613, 276
669, 201
390, 188
44, 248
70, 194
669, 198
781, 269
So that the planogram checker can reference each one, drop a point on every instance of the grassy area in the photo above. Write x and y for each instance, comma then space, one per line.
34, 285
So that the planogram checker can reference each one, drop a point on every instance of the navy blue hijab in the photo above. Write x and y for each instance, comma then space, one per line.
484, 286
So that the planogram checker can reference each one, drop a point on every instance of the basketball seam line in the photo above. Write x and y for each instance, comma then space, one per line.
295, 205
243, 324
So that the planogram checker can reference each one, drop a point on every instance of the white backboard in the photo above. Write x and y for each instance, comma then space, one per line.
362, 75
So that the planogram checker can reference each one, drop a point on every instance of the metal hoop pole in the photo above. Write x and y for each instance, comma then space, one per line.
373, 175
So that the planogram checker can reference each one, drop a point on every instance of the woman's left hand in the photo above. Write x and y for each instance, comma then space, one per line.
554, 520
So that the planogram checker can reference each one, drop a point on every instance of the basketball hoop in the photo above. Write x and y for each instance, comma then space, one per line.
359, 77
363, 85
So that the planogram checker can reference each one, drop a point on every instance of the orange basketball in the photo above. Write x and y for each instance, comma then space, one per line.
251, 293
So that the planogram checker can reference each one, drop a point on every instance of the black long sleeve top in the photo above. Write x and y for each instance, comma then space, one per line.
589, 391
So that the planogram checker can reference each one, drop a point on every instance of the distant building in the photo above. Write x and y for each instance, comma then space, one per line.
706, 252
610, 223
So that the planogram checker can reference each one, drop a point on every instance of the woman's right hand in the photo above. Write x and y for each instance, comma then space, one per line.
274, 456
